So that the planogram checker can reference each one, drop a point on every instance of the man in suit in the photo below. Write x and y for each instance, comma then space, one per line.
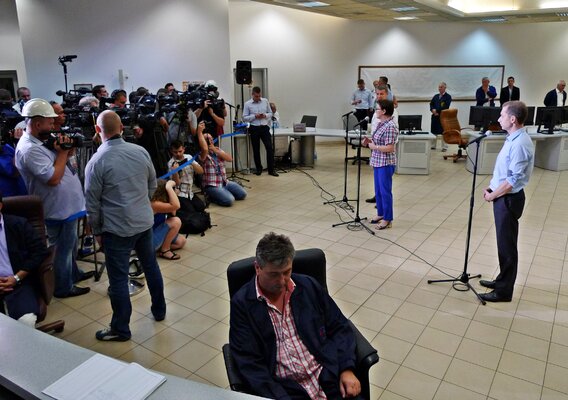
21, 252
556, 97
509, 92
287, 336
440, 101
485, 93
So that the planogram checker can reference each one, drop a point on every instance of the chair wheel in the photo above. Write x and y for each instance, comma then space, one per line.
455, 160
445, 157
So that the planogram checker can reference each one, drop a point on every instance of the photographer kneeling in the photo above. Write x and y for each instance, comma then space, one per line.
165, 230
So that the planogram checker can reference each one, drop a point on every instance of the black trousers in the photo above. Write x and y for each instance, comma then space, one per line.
258, 133
360, 114
507, 210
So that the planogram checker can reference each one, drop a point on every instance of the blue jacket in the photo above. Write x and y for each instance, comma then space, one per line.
320, 324
481, 99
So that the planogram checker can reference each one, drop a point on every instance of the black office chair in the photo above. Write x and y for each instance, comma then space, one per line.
309, 262
309, 120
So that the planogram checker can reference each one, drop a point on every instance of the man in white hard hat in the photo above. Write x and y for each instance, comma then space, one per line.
48, 174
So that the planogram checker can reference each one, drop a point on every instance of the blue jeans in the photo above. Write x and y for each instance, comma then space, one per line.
117, 255
64, 236
383, 191
226, 195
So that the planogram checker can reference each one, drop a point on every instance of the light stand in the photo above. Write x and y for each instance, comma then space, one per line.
246, 132
63, 60
357, 220
344, 202
465, 277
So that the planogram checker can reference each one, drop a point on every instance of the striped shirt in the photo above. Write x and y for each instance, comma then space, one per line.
385, 133
293, 359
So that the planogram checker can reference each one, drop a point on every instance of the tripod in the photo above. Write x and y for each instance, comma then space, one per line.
234, 176
357, 220
465, 277
344, 202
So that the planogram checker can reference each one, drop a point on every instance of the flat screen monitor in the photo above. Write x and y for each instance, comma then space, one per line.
530, 116
309, 120
409, 122
484, 116
549, 117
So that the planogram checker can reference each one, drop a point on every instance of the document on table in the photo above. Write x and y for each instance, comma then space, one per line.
104, 378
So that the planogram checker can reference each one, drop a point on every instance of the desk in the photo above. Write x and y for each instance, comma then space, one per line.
552, 152
490, 147
32, 360
413, 154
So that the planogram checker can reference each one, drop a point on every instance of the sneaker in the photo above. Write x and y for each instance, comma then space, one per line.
108, 335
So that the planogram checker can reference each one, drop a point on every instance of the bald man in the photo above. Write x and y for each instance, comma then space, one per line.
119, 181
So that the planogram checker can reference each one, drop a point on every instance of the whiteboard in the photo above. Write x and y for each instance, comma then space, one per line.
420, 82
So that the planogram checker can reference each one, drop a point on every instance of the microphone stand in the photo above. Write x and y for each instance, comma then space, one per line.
356, 221
234, 177
344, 202
465, 277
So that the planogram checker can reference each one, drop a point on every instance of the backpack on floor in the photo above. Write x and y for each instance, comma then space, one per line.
193, 222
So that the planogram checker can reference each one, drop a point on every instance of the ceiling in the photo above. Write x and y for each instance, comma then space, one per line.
497, 11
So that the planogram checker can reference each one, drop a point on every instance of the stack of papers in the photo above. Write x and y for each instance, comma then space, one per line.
104, 378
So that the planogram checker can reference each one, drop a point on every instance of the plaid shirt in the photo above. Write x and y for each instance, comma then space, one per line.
293, 359
384, 134
213, 171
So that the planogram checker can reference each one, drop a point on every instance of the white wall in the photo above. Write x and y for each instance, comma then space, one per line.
313, 60
11, 52
154, 42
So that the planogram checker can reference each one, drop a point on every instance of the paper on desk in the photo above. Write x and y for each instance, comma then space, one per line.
102, 377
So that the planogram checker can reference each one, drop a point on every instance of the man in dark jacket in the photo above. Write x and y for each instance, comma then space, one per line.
509, 92
556, 97
21, 252
288, 337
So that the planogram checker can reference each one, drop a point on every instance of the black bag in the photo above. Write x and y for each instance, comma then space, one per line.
193, 221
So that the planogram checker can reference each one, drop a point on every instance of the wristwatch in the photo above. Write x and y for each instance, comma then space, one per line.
18, 279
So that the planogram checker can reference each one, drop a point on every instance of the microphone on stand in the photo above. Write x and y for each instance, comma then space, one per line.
349, 113
366, 119
481, 137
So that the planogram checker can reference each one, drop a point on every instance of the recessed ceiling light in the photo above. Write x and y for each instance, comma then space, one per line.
405, 18
404, 9
494, 19
313, 4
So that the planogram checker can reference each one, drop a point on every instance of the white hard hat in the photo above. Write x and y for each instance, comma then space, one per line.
38, 108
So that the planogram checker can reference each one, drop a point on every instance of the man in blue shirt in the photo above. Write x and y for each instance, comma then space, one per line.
362, 100
512, 172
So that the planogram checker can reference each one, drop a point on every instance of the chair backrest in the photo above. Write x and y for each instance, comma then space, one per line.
28, 207
309, 120
308, 262
449, 119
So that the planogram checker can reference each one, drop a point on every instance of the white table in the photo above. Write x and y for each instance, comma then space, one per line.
32, 360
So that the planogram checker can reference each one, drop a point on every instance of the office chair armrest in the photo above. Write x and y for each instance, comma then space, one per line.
235, 381
45, 276
366, 355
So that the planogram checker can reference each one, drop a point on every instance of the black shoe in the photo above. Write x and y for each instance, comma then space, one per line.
371, 200
86, 275
75, 291
257, 173
108, 335
159, 316
494, 297
487, 284
273, 173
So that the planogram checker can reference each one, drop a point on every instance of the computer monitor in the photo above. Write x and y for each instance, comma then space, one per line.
409, 122
484, 116
309, 120
530, 116
549, 117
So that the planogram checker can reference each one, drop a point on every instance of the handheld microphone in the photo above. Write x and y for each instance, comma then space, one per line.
481, 137
349, 113
366, 119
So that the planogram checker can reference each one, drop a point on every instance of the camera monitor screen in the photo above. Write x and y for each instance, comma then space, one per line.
549, 117
484, 116
409, 122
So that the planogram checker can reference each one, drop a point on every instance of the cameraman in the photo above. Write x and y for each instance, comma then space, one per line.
119, 99
213, 112
47, 174
11, 183
100, 91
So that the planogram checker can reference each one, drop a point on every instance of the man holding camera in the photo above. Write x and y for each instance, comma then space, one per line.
48, 174
213, 112
257, 111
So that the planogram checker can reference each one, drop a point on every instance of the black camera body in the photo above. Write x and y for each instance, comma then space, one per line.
52, 138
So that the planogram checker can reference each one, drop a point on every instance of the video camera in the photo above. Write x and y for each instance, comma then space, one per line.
72, 98
50, 138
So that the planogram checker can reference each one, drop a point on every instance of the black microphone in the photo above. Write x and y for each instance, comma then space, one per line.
481, 137
366, 119
349, 113
229, 104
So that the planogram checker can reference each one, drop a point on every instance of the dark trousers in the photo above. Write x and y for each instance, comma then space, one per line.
360, 114
258, 133
507, 210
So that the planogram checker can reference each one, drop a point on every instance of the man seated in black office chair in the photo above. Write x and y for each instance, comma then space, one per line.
21, 252
288, 338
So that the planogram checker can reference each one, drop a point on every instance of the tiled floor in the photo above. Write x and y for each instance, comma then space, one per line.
434, 342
